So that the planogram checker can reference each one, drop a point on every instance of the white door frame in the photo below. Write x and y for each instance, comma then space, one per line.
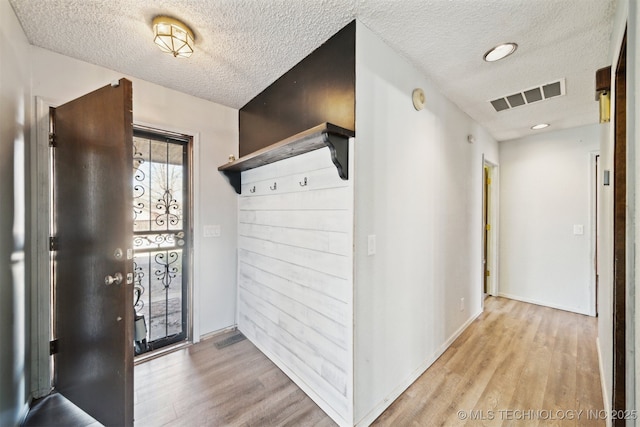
493, 220
594, 180
40, 267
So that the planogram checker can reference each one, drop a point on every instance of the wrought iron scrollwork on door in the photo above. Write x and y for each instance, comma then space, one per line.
158, 184
160, 242
146, 241
168, 207
138, 288
166, 271
139, 177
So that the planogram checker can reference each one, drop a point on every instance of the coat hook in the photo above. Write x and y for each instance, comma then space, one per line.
275, 185
253, 190
303, 183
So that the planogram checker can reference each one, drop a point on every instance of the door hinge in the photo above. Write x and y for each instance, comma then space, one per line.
53, 243
52, 139
488, 273
488, 181
53, 347
488, 227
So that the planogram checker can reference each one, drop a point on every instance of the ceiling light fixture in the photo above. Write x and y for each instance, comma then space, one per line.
540, 126
499, 52
173, 36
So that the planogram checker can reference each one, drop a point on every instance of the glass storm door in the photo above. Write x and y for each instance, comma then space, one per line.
160, 239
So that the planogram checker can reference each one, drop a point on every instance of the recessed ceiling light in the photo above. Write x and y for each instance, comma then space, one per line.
500, 51
540, 126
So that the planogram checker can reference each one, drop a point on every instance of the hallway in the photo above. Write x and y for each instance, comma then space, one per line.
517, 364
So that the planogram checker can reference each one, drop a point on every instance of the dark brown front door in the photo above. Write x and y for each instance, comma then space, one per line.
93, 228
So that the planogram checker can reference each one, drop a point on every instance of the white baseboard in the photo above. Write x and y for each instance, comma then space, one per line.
544, 304
391, 397
603, 384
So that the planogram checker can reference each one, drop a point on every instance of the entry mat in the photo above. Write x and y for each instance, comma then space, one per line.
226, 342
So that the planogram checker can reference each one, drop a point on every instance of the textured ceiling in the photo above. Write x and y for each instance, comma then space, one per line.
244, 45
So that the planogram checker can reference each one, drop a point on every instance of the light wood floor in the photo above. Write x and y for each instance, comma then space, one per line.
519, 364
517, 360
233, 386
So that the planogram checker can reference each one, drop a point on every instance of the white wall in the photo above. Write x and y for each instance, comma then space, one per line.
60, 79
545, 189
14, 135
418, 188
295, 274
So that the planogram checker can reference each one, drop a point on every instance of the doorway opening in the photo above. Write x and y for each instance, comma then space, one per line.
488, 230
84, 249
486, 180
161, 238
161, 241
595, 209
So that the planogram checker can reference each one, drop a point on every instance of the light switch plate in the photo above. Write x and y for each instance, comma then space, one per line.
211, 231
371, 244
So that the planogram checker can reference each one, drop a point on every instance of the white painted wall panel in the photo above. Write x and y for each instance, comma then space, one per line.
295, 274
297, 317
15, 312
419, 191
325, 305
332, 286
318, 240
266, 336
317, 200
341, 221
546, 185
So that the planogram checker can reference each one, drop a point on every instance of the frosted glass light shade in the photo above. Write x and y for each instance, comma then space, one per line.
173, 36
540, 126
499, 52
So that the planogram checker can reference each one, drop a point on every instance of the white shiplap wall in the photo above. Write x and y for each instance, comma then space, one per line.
295, 274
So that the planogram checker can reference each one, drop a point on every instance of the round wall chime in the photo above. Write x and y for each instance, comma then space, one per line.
418, 98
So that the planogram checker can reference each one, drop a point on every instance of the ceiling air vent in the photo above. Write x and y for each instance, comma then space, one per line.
529, 96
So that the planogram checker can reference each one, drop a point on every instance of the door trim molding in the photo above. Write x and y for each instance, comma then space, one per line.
40, 329
593, 228
493, 249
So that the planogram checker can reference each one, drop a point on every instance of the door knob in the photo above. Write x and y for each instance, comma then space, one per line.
115, 279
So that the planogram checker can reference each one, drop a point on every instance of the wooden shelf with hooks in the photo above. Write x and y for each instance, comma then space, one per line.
324, 135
